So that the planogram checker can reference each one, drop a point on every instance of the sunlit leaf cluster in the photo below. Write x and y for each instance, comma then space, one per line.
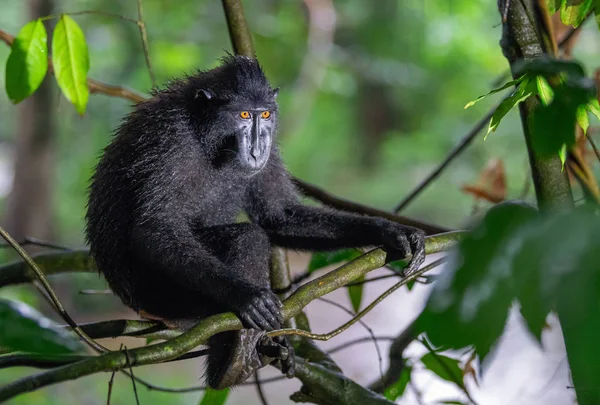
28, 63
566, 96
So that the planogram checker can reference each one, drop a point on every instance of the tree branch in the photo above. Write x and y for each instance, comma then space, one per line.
18, 272
345, 205
210, 326
241, 40
396, 357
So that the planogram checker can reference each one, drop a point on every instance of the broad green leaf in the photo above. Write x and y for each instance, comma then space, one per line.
593, 106
397, 389
573, 12
582, 118
553, 6
503, 87
356, 292
597, 12
25, 329
544, 90
214, 397
525, 89
71, 62
324, 259
553, 126
470, 300
569, 281
444, 367
27, 63
547, 261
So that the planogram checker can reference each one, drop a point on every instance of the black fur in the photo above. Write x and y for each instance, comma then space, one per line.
166, 193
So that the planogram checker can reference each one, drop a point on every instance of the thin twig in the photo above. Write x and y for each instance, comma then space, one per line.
110, 386
454, 153
48, 288
358, 341
95, 12
335, 332
364, 324
137, 400
38, 242
259, 390
111, 381
596, 151
144, 35
345, 205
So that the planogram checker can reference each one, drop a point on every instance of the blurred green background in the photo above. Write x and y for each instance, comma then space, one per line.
372, 96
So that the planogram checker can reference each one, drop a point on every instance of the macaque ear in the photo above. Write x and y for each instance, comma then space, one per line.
203, 93
275, 92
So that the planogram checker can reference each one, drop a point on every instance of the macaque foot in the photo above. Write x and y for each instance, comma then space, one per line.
252, 350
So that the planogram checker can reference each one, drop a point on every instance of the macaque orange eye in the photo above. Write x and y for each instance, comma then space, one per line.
245, 115
266, 114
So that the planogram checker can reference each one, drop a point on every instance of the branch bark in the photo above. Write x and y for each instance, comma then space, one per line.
345, 205
522, 40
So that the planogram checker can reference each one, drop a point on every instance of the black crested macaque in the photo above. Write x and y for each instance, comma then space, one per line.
161, 219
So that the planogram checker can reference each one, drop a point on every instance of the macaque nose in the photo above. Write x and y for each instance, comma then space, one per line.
255, 148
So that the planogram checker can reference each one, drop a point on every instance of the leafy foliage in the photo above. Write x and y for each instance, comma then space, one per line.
517, 253
27, 63
356, 292
397, 389
573, 12
444, 367
71, 62
24, 329
565, 94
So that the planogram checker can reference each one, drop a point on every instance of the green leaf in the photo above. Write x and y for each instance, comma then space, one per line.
470, 300
397, 389
553, 6
521, 93
593, 106
553, 126
324, 259
25, 329
356, 292
444, 367
214, 397
547, 261
398, 266
411, 284
544, 90
27, 63
597, 12
573, 12
71, 62
562, 154
503, 87
582, 118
